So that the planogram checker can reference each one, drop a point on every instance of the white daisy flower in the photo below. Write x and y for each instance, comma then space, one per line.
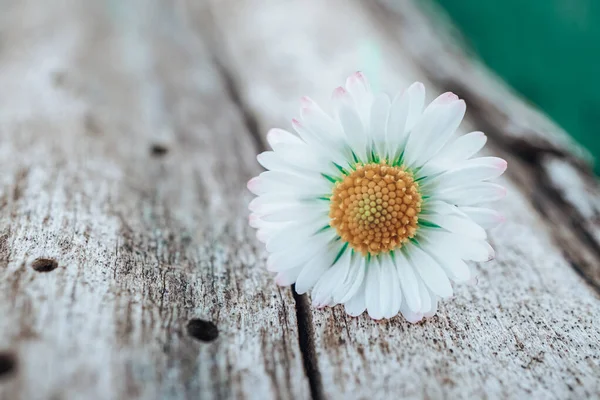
378, 207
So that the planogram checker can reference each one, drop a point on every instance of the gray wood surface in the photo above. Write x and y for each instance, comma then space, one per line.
127, 269
125, 160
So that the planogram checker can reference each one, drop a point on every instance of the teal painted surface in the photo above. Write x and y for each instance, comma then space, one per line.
549, 50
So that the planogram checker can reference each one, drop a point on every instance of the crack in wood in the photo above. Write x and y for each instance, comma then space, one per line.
233, 92
306, 339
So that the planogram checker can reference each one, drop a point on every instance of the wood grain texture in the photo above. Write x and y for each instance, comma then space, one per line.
526, 327
127, 269
123, 221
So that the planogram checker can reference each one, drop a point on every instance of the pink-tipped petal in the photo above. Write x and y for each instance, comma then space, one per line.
360, 76
286, 278
280, 280
340, 93
261, 235
253, 205
262, 159
274, 134
413, 318
503, 191
254, 185
445, 98
306, 102
501, 164
357, 78
277, 136
254, 221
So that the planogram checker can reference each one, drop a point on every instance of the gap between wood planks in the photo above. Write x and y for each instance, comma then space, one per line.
306, 338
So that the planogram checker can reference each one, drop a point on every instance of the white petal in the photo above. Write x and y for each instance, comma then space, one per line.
296, 256
259, 203
295, 212
277, 136
457, 269
396, 131
322, 294
314, 270
432, 274
457, 224
295, 234
454, 152
288, 277
289, 184
353, 280
386, 294
255, 185
433, 307
355, 132
477, 250
408, 281
373, 290
299, 156
307, 211
269, 160
463, 147
431, 133
262, 235
268, 232
485, 217
269, 228
452, 219
442, 100
323, 143
356, 305
352, 125
470, 172
379, 118
416, 94
321, 124
254, 221
394, 281
425, 297
410, 315
462, 246
483, 192
358, 87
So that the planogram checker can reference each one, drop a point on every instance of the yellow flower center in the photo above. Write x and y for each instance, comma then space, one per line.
376, 208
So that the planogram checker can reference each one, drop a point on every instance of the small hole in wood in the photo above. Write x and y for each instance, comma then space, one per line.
158, 149
8, 364
205, 331
44, 265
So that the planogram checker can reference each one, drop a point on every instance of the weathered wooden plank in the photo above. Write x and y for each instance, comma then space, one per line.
124, 163
526, 327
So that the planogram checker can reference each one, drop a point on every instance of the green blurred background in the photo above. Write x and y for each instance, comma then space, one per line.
549, 50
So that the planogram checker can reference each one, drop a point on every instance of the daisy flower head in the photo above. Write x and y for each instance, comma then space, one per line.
379, 206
